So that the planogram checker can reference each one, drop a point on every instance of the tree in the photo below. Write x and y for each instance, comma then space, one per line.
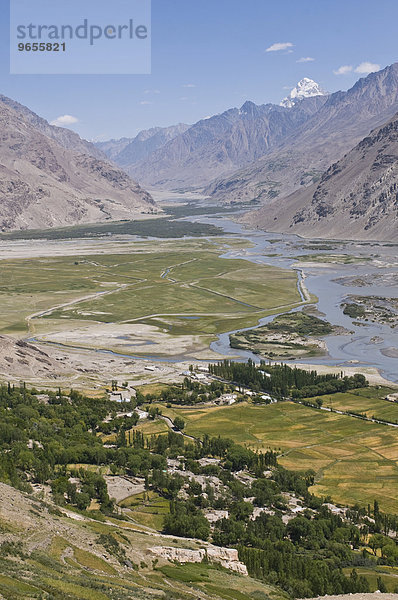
179, 423
381, 586
82, 500
377, 541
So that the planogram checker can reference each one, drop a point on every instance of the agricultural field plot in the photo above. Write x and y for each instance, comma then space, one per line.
164, 298
354, 460
367, 401
147, 508
149, 428
389, 576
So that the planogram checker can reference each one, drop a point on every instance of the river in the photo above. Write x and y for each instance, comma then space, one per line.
367, 342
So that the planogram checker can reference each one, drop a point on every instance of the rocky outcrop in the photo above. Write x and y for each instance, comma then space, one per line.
226, 557
65, 137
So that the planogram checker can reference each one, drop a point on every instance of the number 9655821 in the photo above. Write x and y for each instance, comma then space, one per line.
42, 47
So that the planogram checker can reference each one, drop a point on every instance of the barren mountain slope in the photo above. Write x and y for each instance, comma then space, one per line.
356, 198
44, 184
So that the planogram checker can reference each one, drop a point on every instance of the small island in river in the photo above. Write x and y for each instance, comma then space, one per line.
288, 336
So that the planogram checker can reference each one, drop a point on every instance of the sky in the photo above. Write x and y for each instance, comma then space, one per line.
211, 55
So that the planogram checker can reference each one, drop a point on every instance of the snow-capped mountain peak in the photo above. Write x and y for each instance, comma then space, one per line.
306, 88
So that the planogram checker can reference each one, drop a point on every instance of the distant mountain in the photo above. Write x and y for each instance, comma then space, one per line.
341, 121
50, 177
111, 148
306, 88
356, 198
126, 152
221, 144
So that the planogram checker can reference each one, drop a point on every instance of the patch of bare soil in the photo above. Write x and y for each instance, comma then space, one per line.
20, 359
120, 488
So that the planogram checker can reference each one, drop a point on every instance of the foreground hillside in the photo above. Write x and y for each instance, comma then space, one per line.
356, 198
50, 177
55, 553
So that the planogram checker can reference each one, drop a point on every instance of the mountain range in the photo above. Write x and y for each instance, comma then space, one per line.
342, 121
219, 145
50, 177
261, 152
126, 152
282, 157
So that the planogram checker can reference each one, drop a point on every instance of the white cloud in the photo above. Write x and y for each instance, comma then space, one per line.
151, 91
364, 69
343, 70
367, 67
305, 59
189, 85
64, 121
145, 102
279, 46
184, 98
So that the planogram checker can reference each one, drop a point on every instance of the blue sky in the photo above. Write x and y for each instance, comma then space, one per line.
210, 55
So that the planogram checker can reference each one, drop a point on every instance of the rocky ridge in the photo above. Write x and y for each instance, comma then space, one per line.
126, 152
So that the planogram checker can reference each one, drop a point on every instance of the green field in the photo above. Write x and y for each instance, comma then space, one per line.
367, 401
179, 288
340, 259
354, 460
147, 509
204, 284
155, 227
389, 576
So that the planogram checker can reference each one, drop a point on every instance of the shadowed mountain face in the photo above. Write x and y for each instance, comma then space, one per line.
342, 121
50, 177
356, 198
222, 143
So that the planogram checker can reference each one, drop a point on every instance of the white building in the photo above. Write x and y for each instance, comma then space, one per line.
122, 396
